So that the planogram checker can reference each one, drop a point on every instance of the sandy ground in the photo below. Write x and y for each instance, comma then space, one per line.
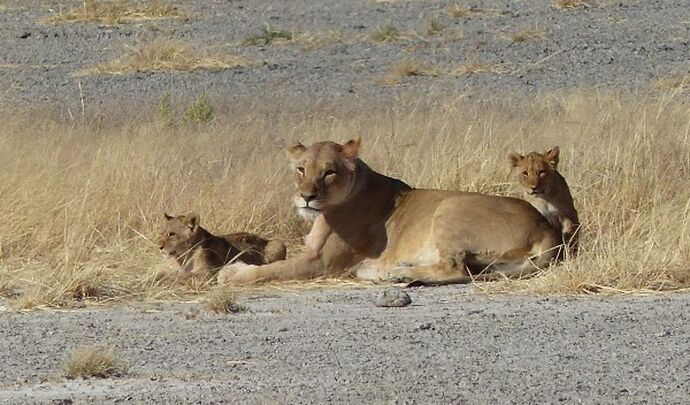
451, 345
627, 45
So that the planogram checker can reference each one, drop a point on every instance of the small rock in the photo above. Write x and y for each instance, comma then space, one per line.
392, 297
425, 326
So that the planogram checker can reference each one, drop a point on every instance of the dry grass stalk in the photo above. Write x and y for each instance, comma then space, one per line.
568, 4
458, 11
166, 55
222, 301
526, 35
407, 68
386, 33
94, 361
674, 83
85, 209
474, 66
117, 12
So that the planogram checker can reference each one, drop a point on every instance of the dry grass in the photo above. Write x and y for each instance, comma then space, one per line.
568, 4
386, 33
474, 66
407, 68
674, 83
94, 361
223, 301
116, 12
526, 35
83, 203
459, 11
167, 55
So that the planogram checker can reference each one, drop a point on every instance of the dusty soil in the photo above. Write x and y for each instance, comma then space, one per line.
452, 345
626, 45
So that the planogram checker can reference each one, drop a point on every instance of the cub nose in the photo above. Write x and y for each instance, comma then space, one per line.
308, 196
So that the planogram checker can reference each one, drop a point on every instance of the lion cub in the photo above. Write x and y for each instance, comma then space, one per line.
548, 192
198, 251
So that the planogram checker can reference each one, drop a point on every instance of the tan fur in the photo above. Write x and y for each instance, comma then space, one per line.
548, 192
317, 236
382, 229
199, 252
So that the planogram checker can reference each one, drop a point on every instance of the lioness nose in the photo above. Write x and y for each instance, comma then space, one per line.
308, 196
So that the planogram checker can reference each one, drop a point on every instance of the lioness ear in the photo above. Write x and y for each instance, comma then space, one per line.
295, 151
168, 217
351, 147
514, 159
552, 157
192, 220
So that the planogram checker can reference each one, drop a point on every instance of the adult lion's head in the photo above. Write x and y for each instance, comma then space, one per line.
325, 174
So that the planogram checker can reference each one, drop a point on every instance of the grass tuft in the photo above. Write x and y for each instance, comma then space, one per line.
116, 12
223, 301
386, 33
526, 35
199, 112
268, 36
94, 361
570, 4
407, 68
166, 55
458, 11
674, 83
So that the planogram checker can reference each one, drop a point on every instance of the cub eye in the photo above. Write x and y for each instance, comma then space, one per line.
524, 174
171, 233
300, 170
329, 173
542, 173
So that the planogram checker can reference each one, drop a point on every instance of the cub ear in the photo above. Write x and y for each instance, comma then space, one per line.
192, 220
295, 151
514, 159
552, 157
351, 147
167, 216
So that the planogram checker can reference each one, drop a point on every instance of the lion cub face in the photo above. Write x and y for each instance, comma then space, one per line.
324, 174
536, 171
179, 234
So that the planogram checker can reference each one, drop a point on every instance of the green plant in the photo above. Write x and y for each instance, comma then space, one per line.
267, 36
166, 113
200, 111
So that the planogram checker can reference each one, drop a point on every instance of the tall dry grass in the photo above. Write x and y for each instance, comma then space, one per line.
81, 204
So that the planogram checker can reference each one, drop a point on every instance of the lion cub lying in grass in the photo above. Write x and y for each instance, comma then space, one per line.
548, 192
199, 252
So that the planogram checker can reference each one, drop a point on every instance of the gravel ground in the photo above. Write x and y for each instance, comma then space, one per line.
628, 45
451, 345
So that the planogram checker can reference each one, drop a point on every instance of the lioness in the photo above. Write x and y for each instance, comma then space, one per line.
548, 192
382, 229
198, 251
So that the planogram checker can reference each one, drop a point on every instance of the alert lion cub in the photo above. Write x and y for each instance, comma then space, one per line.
379, 228
548, 192
197, 251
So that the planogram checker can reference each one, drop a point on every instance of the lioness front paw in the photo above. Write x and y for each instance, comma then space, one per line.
232, 273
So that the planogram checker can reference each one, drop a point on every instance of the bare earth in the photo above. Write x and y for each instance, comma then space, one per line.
450, 345
453, 344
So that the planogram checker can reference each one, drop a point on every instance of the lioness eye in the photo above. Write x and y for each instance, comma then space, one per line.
329, 173
524, 174
300, 170
171, 234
